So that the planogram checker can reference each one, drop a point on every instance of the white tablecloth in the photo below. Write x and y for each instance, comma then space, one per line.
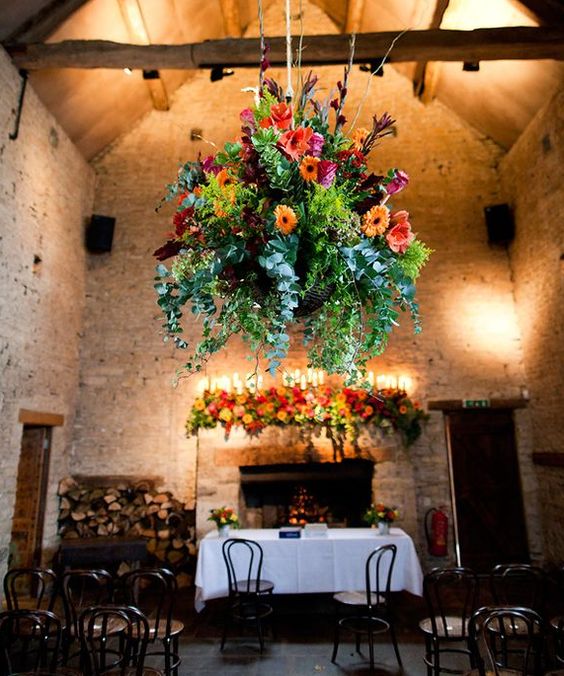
310, 564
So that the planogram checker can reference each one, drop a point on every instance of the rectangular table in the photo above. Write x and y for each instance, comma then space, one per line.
310, 565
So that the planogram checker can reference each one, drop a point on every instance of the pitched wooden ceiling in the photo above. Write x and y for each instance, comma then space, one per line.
96, 106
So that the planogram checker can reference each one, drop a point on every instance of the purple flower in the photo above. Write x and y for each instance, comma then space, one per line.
400, 180
316, 144
326, 172
209, 167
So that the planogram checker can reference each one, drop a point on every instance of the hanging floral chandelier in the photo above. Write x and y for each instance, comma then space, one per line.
288, 226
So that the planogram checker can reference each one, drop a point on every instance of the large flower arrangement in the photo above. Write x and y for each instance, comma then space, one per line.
286, 218
341, 411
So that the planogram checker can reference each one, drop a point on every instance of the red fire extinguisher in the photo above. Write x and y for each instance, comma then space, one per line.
436, 531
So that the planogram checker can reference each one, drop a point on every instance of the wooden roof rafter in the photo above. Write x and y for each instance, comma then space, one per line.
548, 12
39, 26
427, 73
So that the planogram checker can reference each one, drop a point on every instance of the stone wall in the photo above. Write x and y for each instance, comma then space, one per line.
131, 419
532, 175
46, 192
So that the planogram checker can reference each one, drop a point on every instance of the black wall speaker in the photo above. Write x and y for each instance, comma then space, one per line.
100, 233
500, 224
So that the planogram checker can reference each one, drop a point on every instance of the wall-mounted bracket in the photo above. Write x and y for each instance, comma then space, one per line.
14, 135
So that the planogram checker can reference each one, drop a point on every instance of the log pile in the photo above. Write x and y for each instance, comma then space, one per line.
128, 509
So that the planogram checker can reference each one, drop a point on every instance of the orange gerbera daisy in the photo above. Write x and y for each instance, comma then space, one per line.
359, 137
286, 218
375, 221
308, 168
223, 178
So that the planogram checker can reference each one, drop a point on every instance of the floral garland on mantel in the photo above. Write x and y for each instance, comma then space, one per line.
341, 411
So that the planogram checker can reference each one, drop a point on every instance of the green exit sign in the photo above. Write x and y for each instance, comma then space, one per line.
475, 403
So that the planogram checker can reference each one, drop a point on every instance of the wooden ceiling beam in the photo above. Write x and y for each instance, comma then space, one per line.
482, 44
42, 24
355, 12
137, 29
231, 18
548, 12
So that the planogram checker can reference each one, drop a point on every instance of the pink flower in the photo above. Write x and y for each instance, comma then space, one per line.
400, 236
400, 180
247, 118
326, 172
316, 143
209, 167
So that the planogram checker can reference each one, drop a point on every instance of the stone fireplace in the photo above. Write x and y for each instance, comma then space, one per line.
260, 477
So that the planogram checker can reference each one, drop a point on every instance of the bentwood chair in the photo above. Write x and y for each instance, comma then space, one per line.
248, 592
82, 589
507, 641
518, 584
369, 612
29, 643
451, 595
114, 641
154, 592
31, 588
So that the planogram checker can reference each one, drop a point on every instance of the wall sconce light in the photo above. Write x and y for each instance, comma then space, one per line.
374, 67
471, 66
219, 72
128, 71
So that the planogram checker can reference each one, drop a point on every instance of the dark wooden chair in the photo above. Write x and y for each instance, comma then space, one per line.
248, 601
154, 592
30, 588
369, 612
114, 641
451, 595
30, 642
518, 584
82, 589
507, 641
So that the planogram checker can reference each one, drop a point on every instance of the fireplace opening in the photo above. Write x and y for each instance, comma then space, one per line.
315, 492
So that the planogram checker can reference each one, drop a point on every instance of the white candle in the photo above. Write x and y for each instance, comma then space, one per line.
303, 383
321, 377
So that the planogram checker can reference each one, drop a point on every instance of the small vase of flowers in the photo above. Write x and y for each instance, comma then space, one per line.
224, 518
382, 516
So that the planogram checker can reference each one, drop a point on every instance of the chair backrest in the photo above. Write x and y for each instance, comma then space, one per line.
378, 575
113, 639
83, 589
450, 593
30, 588
29, 641
509, 637
153, 591
243, 560
518, 584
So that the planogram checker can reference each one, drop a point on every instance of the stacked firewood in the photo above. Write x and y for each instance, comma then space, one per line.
128, 509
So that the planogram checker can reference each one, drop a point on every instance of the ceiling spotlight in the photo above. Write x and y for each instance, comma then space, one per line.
128, 71
471, 66
374, 67
219, 72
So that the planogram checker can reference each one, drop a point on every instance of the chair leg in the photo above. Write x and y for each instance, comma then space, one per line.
176, 655
428, 655
259, 634
335, 642
357, 642
395, 644
226, 619
436, 659
371, 650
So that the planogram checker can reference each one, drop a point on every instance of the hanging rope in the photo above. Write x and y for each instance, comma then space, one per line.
289, 90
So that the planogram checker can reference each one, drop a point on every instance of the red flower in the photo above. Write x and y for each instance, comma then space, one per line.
281, 115
295, 142
400, 236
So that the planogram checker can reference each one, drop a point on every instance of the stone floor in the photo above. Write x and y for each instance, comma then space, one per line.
303, 645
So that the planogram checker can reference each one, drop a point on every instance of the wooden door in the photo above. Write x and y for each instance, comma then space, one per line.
31, 489
487, 488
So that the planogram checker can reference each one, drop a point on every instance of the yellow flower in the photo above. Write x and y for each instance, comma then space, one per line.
199, 404
358, 137
403, 409
282, 415
247, 419
224, 179
286, 218
225, 415
375, 221
308, 168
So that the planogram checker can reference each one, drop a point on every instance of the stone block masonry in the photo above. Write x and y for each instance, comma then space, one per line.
46, 193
